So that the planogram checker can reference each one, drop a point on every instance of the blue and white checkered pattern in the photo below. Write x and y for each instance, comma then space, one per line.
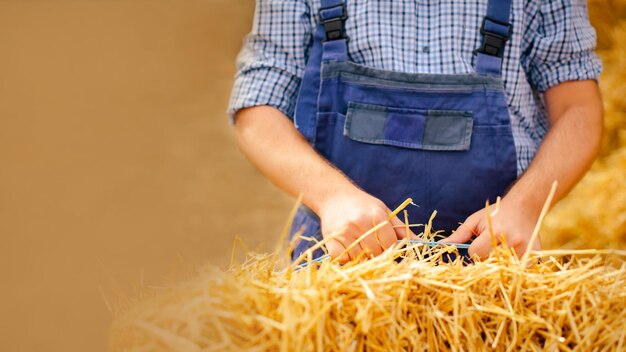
552, 42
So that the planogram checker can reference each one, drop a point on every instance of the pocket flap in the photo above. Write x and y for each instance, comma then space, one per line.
444, 130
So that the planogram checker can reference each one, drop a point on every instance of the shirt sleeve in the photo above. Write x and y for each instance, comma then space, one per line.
272, 60
559, 43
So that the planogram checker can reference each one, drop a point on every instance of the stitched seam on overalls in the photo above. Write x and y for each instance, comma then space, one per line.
335, 68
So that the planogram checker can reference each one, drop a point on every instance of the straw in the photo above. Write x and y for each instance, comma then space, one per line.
571, 300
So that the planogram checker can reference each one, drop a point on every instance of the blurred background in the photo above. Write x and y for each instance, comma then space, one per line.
117, 162
118, 169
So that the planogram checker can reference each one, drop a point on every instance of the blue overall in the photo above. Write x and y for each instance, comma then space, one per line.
444, 140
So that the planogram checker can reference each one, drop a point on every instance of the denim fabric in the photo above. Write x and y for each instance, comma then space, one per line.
443, 140
308, 224
447, 130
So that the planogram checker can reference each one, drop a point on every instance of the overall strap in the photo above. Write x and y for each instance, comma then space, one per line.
496, 30
333, 15
329, 43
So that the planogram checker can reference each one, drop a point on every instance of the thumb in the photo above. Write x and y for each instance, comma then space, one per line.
463, 233
481, 245
400, 229
335, 249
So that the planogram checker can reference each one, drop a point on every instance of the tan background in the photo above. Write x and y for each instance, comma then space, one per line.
116, 158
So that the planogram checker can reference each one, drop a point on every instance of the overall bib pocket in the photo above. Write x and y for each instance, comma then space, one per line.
409, 128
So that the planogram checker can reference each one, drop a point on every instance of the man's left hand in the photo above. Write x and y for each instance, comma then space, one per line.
512, 222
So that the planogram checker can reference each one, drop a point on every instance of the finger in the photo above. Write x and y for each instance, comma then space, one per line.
481, 245
354, 249
386, 236
370, 246
400, 229
537, 245
345, 238
336, 249
521, 249
463, 233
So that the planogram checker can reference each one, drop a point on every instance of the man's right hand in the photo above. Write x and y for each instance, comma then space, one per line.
348, 215
270, 140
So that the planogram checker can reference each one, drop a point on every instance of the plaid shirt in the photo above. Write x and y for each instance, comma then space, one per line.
552, 42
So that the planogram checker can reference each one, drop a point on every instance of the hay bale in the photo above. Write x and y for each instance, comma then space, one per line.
613, 85
594, 214
571, 300
604, 15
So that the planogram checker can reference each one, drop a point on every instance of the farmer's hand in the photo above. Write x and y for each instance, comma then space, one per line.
514, 220
352, 213
575, 114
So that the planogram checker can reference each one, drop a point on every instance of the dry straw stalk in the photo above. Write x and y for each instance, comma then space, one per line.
567, 300
406, 299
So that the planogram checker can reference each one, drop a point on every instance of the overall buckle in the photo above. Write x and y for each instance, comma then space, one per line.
334, 26
493, 43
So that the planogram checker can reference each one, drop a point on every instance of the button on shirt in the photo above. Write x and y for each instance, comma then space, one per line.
552, 42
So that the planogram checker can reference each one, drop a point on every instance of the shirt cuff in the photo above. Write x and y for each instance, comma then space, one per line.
264, 85
584, 67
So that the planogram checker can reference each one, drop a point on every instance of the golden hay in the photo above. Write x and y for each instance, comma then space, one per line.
594, 214
573, 301
613, 85
604, 15
406, 299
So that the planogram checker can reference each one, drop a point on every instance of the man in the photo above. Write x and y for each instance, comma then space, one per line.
358, 105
